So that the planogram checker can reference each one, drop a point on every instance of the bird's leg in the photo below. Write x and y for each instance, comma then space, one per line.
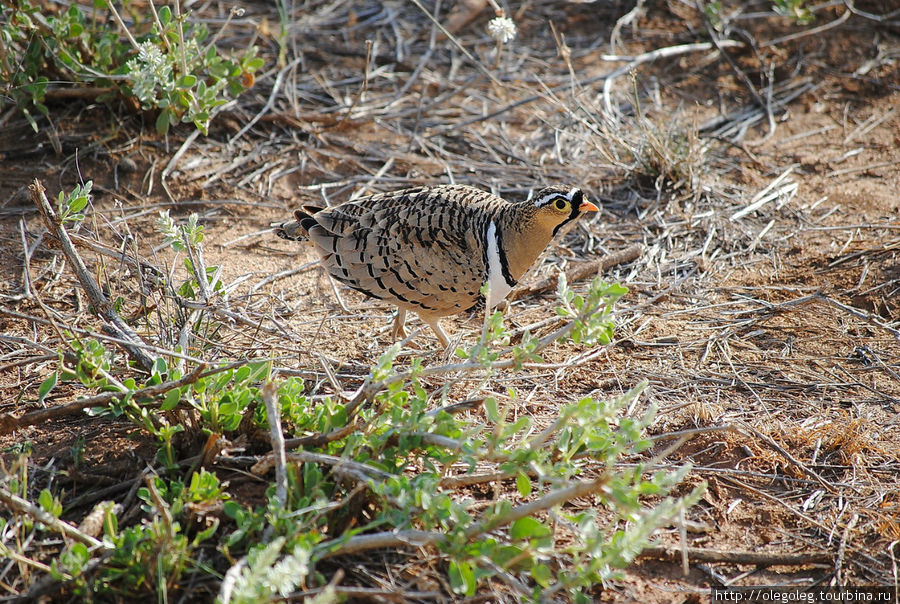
436, 328
337, 294
398, 331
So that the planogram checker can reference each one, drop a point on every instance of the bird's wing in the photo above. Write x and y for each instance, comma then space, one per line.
421, 249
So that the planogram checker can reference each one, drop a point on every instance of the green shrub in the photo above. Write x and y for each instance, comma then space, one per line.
161, 62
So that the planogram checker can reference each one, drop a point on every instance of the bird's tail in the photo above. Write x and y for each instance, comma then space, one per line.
298, 228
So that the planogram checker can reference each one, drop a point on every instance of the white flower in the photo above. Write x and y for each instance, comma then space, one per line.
149, 53
502, 29
150, 71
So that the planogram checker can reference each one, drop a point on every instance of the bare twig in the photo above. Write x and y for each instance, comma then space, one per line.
9, 423
659, 53
842, 550
784, 453
354, 470
319, 440
456, 43
273, 415
702, 554
174, 161
394, 539
132, 343
812, 31
23, 506
273, 95
579, 272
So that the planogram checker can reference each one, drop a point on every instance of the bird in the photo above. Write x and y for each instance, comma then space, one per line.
430, 249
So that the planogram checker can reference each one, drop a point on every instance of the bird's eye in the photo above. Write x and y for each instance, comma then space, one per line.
561, 204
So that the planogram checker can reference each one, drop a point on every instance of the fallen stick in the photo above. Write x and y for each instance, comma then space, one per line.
15, 503
10, 423
580, 271
395, 539
114, 324
699, 554
147, 270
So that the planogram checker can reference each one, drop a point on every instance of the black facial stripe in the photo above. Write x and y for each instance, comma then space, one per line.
572, 216
504, 263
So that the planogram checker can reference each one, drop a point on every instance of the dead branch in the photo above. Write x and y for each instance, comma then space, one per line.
700, 554
394, 539
354, 470
387, 539
22, 506
580, 271
320, 440
130, 341
10, 423
550, 500
785, 454
138, 265
273, 415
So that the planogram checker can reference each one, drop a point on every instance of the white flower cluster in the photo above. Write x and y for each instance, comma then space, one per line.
149, 70
502, 29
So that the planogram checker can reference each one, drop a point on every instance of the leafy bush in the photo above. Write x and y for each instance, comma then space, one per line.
381, 469
399, 455
164, 63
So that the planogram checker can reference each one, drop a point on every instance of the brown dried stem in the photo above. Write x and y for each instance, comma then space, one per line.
129, 340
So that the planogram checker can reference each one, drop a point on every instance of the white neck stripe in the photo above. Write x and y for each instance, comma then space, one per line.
497, 283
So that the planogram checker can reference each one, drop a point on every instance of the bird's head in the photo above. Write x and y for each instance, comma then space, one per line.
556, 206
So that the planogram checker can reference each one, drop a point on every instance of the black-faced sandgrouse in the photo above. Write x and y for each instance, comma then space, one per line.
430, 249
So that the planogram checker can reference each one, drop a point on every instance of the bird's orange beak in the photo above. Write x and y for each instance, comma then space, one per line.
587, 206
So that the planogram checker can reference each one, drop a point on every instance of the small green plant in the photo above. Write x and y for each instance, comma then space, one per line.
795, 10
150, 556
162, 62
713, 12
401, 454
69, 207
590, 312
188, 237
94, 361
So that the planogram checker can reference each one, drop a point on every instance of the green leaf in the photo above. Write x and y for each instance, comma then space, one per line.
78, 203
173, 397
80, 550
45, 499
542, 575
462, 578
47, 385
165, 15
49, 503
492, 410
523, 484
258, 369
160, 367
218, 70
228, 408
233, 509
162, 122
110, 522
511, 554
528, 528
186, 81
241, 375
207, 533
